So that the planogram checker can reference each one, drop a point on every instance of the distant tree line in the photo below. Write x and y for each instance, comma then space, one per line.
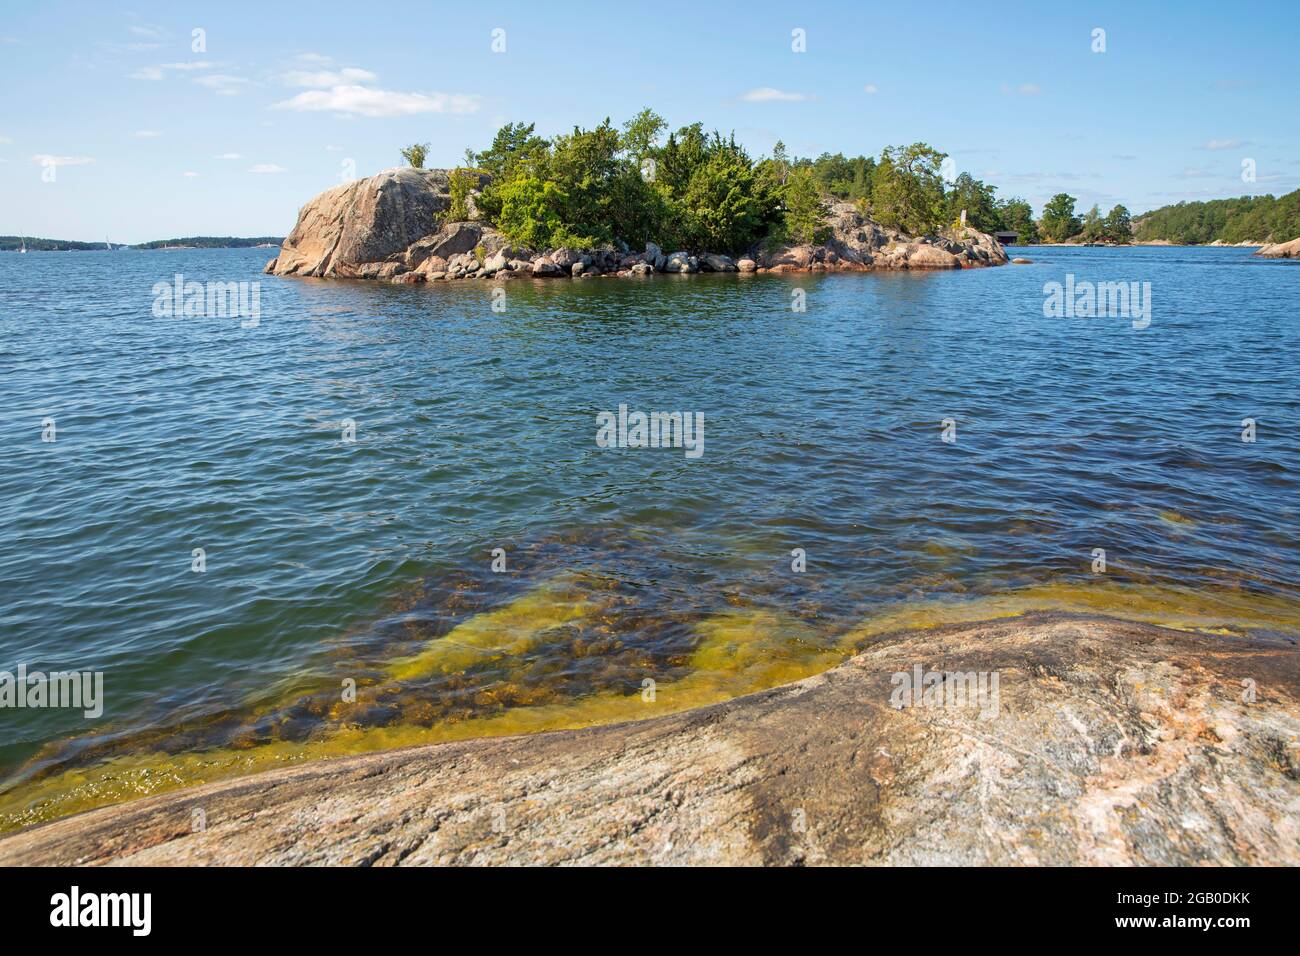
1060, 224
1247, 219
213, 242
13, 243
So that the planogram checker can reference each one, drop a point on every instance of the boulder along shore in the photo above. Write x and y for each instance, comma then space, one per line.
393, 226
1105, 743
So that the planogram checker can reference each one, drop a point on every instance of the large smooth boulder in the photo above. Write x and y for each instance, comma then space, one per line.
681, 262
1281, 250
711, 262
365, 221
546, 268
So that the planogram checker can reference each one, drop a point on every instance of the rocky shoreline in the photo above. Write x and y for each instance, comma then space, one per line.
1110, 743
394, 226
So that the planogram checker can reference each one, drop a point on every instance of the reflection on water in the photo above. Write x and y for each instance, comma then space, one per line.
638, 583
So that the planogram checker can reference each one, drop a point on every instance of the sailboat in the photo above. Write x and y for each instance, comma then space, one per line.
24, 244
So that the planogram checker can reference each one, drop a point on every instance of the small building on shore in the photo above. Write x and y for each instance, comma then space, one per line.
1006, 238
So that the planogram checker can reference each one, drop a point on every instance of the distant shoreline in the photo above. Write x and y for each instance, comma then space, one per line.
1148, 243
36, 244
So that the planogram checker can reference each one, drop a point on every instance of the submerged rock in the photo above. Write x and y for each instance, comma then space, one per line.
1100, 743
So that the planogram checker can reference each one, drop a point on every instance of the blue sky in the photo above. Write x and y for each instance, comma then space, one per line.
151, 139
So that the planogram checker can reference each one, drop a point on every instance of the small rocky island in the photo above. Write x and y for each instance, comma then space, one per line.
397, 226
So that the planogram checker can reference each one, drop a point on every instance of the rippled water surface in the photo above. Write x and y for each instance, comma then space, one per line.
370, 561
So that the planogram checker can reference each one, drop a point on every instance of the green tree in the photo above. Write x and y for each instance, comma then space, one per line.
415, 155
1059, 221
780, 161
641, 134
728, 205
686, 150
530, 212
860, 188
1094, 227
907, 189
977, 199
1018, 216
803, 206
513, 146
1118, 226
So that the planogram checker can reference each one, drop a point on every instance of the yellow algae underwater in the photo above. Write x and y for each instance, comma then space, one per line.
513, 629
739, 651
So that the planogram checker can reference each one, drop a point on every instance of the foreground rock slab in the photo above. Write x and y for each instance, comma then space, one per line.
1112, 743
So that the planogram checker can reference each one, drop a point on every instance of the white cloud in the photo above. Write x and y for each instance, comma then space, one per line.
316, 58
229, 156
5, 140
333, 149
871, 88
322, 79
189, 174
147, 133
267, 168
767, 94
157, 72
365, 101
45, 159
222, 83
153, 33
1224, 144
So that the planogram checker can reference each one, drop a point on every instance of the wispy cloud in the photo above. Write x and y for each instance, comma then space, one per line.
222, 83
156, 73
321, 79
189, 174
46, 159
367, 101
148, 133
229, 156
871, 88
267, 168
769, 94
1224, 144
